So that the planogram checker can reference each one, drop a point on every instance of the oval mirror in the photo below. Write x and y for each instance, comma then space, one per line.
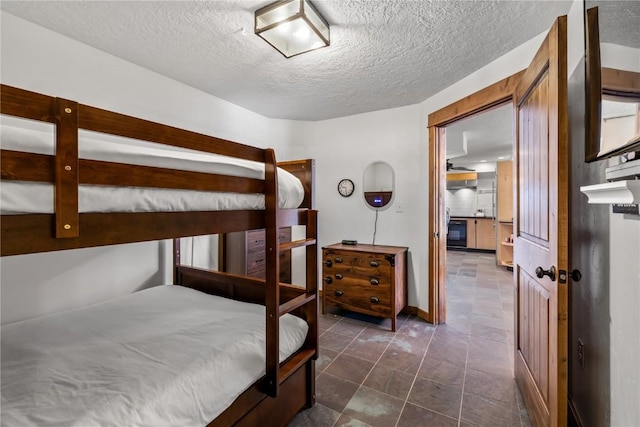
378, 184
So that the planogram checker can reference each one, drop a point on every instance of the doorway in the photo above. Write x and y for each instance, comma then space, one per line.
485, 100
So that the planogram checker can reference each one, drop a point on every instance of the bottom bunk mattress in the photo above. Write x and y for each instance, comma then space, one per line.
167, 355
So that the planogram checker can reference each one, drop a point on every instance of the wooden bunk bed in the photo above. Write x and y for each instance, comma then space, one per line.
286, 387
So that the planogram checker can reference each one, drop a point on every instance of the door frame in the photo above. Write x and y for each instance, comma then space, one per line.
492, 96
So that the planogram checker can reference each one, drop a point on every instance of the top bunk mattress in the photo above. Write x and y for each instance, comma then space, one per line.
168, 355
19, 197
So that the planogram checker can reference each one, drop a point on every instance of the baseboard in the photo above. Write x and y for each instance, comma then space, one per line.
416, 311
573, 418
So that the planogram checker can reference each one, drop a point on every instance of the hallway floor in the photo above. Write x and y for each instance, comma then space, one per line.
456, 374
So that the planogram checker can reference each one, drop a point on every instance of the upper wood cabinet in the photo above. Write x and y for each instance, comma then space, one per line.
505, 191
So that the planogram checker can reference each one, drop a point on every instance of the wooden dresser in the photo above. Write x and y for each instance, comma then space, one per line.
369, 279
245, 254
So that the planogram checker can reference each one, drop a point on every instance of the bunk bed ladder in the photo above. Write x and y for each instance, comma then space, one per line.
272, 282
307, 301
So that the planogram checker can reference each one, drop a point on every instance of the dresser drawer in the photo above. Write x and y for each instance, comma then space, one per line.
368, 298
346, 277
255, 241
357, 263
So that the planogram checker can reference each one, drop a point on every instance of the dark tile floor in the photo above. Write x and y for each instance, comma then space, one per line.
456, 374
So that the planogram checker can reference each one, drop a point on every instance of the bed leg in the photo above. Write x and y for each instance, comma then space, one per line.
311, 384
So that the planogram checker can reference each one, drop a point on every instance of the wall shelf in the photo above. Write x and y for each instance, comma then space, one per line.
627, 192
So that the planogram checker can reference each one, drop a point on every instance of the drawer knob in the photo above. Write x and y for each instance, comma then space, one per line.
338, 260
374, 263
375, 300
338, 276
374, 281
339, 293
328, 263
328, 279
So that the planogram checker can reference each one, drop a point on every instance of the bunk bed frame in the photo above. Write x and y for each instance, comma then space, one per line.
287, 387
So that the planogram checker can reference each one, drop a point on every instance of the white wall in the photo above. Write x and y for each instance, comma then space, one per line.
37, 59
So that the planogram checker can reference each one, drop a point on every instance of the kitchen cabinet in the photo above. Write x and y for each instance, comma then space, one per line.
485, 236
504, 250
480, 233
504, 184
369, 279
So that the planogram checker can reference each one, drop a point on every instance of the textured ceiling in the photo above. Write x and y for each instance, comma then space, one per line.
383, 54
619, 21
488, 136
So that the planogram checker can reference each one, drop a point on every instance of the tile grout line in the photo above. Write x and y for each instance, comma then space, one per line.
406, 399
464, 381
374, 365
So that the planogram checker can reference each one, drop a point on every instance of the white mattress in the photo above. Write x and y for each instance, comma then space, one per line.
165, 356
27, 197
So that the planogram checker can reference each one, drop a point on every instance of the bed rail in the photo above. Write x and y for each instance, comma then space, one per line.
66, 171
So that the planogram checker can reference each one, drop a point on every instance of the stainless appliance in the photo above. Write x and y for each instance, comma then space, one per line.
457, 233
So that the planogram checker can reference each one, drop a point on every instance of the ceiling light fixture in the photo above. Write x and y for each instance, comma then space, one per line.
292, 27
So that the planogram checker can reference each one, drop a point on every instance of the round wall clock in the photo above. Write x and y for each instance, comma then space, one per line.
346, 187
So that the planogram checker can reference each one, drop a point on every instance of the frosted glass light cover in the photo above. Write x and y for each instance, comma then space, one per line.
292, 27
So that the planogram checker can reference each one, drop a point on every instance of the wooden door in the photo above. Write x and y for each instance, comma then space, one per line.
541, 224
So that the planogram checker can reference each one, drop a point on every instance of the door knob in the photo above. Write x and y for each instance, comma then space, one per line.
328, 279
328, 263
551, 272
575, 275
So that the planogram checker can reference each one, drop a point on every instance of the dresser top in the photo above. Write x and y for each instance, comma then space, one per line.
362, 247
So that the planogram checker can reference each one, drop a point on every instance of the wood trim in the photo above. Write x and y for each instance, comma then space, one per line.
416, 311
484, 99
620, 82
559, 394
492, 96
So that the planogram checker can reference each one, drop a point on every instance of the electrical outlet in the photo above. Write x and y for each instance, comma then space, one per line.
581, 352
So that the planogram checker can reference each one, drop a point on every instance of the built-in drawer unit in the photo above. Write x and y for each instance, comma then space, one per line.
369, 279
245, 254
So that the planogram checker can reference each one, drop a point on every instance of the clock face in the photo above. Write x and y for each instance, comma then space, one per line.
346, 187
